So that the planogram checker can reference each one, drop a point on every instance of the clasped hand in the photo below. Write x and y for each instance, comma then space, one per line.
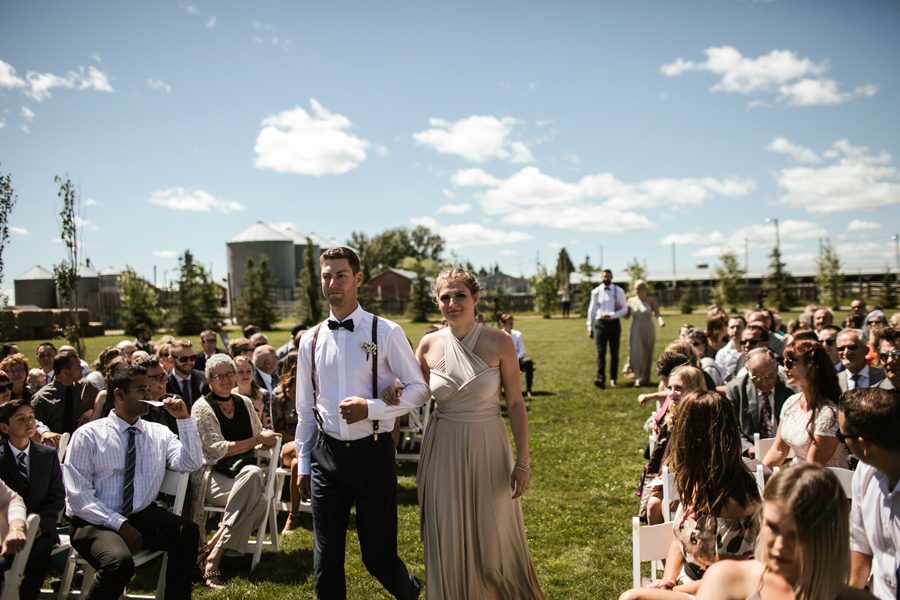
353, 409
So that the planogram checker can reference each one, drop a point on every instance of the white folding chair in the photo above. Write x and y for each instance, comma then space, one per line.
760, 478
845, 476
283, 474
649, 543
761, 446
63, 445
174, 484
669, 493
269, 494
413, 432
11, 577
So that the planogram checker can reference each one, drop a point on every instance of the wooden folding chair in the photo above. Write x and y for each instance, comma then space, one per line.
174, 484
649, 543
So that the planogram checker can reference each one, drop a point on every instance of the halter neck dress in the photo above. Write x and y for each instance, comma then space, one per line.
472, 529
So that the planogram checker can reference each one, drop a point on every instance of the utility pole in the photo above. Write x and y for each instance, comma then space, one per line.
896, 238
674, 276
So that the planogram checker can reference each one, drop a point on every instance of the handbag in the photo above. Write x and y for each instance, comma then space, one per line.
230, 466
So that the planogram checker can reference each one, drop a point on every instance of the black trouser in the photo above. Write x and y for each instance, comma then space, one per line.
527, 365
361, 473
106, 551
607, 332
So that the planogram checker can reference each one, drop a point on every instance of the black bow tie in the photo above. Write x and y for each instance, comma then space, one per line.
346, 324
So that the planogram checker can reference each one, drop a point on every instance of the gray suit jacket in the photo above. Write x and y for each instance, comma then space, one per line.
745, 399
876, 375
885, 384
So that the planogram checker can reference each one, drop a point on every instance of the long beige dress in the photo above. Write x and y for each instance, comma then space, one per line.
472, 529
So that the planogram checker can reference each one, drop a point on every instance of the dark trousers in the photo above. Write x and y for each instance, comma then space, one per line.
527, 366
361, 473
607, 333
106, 551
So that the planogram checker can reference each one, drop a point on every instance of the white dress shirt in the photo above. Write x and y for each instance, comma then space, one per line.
517, 340
862, 379
16, 452
345, 370
610, 301
875, 527
94, 469
727, 359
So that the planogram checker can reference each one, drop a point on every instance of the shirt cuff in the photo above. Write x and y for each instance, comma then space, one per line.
376, 409
303, 467
115, 521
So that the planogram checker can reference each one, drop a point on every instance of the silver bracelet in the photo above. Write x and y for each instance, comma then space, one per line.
524, 467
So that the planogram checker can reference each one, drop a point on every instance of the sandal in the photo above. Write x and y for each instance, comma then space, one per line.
293, 521
213, 580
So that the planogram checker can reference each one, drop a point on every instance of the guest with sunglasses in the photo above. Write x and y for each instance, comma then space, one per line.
186, 381
16, 366
828, 337
809, 418
889, 358
852, 348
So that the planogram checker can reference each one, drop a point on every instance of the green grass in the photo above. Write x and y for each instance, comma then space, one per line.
586, 455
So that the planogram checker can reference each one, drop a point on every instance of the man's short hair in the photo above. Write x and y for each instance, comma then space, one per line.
828, 329
874, 414
140, 327
46, 345
338, 253
608, 271
698, 336
182, 344
12, 407
63, 360
759, 354
207, 332
758, 331
669, 360
859, 334
739, 318
120, 379
891, 336
144, 363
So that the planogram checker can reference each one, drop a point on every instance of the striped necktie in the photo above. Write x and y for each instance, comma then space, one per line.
130, 463
23, 469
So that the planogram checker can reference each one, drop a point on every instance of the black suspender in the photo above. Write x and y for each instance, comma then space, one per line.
314, 375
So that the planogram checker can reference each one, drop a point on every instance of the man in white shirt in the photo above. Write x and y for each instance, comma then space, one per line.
346, 454
852, 348
525, 364
113, 471
869, 420
604, 325
265, 367
728, 355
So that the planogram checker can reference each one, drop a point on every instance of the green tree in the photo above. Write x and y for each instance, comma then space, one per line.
635, 271
66, 272
545, 298
564, 269
777, 283
420, 300
425, 243
140, 301
829, 278
687, 300
585, 286
889, 297
256, 305
729, 282
308, 306
197, 303
7, 203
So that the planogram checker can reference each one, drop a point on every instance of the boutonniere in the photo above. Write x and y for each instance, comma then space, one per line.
370, 348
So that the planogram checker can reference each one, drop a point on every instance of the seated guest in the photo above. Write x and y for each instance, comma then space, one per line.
284, 423
102, 404
208, 347
807, 335
164, 354
292, 344
12, 525
42, 434
858, 307
240, 347
763, 318
85, 367
158, 380
113, 471
718, 514
700, 343
828, 337
852, 348
854, 321
45, 354
757, 398
249, 330
96, 376
230, 430
266, 365
36, 380
870, 420
186, 381
127, 348
142, 335
66, 403
525, 364
33, 472
823, 317
258, 339
889, 357
246, 385
808, 423
804, 545
753, 336
872, 327
728, 355
716, 333
16, 367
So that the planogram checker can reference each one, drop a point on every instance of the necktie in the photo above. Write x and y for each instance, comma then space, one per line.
346, 324
130, 464
765, 418
68, 410
23, 470
855, 379
186, 391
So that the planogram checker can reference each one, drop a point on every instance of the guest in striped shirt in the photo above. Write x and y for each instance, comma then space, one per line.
113, 472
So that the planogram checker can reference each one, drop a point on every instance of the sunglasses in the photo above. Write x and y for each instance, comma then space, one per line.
842, 437
886, 356
830, 341
208, 340
184, 359
218, 376
789, 363
752, 341
166, 355
6, 387
851, 347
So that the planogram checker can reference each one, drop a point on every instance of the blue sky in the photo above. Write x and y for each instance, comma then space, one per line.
511, 128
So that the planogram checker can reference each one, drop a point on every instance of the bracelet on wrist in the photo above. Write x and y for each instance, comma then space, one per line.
524, 467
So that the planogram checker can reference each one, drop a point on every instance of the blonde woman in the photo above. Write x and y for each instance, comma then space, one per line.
642, 337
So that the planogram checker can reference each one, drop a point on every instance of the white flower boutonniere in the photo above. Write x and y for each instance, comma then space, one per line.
370, 348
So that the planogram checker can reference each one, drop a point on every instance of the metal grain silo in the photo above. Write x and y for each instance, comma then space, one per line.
300, 242
88, 284
36, 288
252, 243
109, 281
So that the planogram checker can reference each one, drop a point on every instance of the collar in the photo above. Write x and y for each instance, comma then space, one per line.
16, 452
864, 372
883, 484
356, 315
120, 425
179, 378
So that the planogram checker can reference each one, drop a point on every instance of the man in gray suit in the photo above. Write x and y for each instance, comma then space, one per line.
852, 348
889, 355
757, 397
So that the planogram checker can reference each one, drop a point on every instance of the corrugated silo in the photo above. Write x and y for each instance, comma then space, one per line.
36, 288
252, 243
109, 281
88, 283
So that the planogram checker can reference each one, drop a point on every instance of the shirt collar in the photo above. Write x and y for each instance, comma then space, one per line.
16, 452
179, 378
356, 315
121, 425
883, 483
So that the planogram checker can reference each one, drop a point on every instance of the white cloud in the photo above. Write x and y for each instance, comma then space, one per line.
210, 23
596, 203
95, 56
197, 200
91, 202
472, 234
8, 77
448, 194
27, 114
693, 239
158, 85
455, 209
799, 153
762, 235
860, 225
22, 231
295, 141
709, 252
85, 224
165, 253
856, 180
477, 138
508, 252
191, 9
874, 251
25, 129
37, 86
793, 80
2, 123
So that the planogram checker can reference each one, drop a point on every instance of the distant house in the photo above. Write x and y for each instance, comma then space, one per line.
507, 284
392, 288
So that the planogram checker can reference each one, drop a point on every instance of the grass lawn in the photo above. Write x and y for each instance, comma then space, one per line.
586, 455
